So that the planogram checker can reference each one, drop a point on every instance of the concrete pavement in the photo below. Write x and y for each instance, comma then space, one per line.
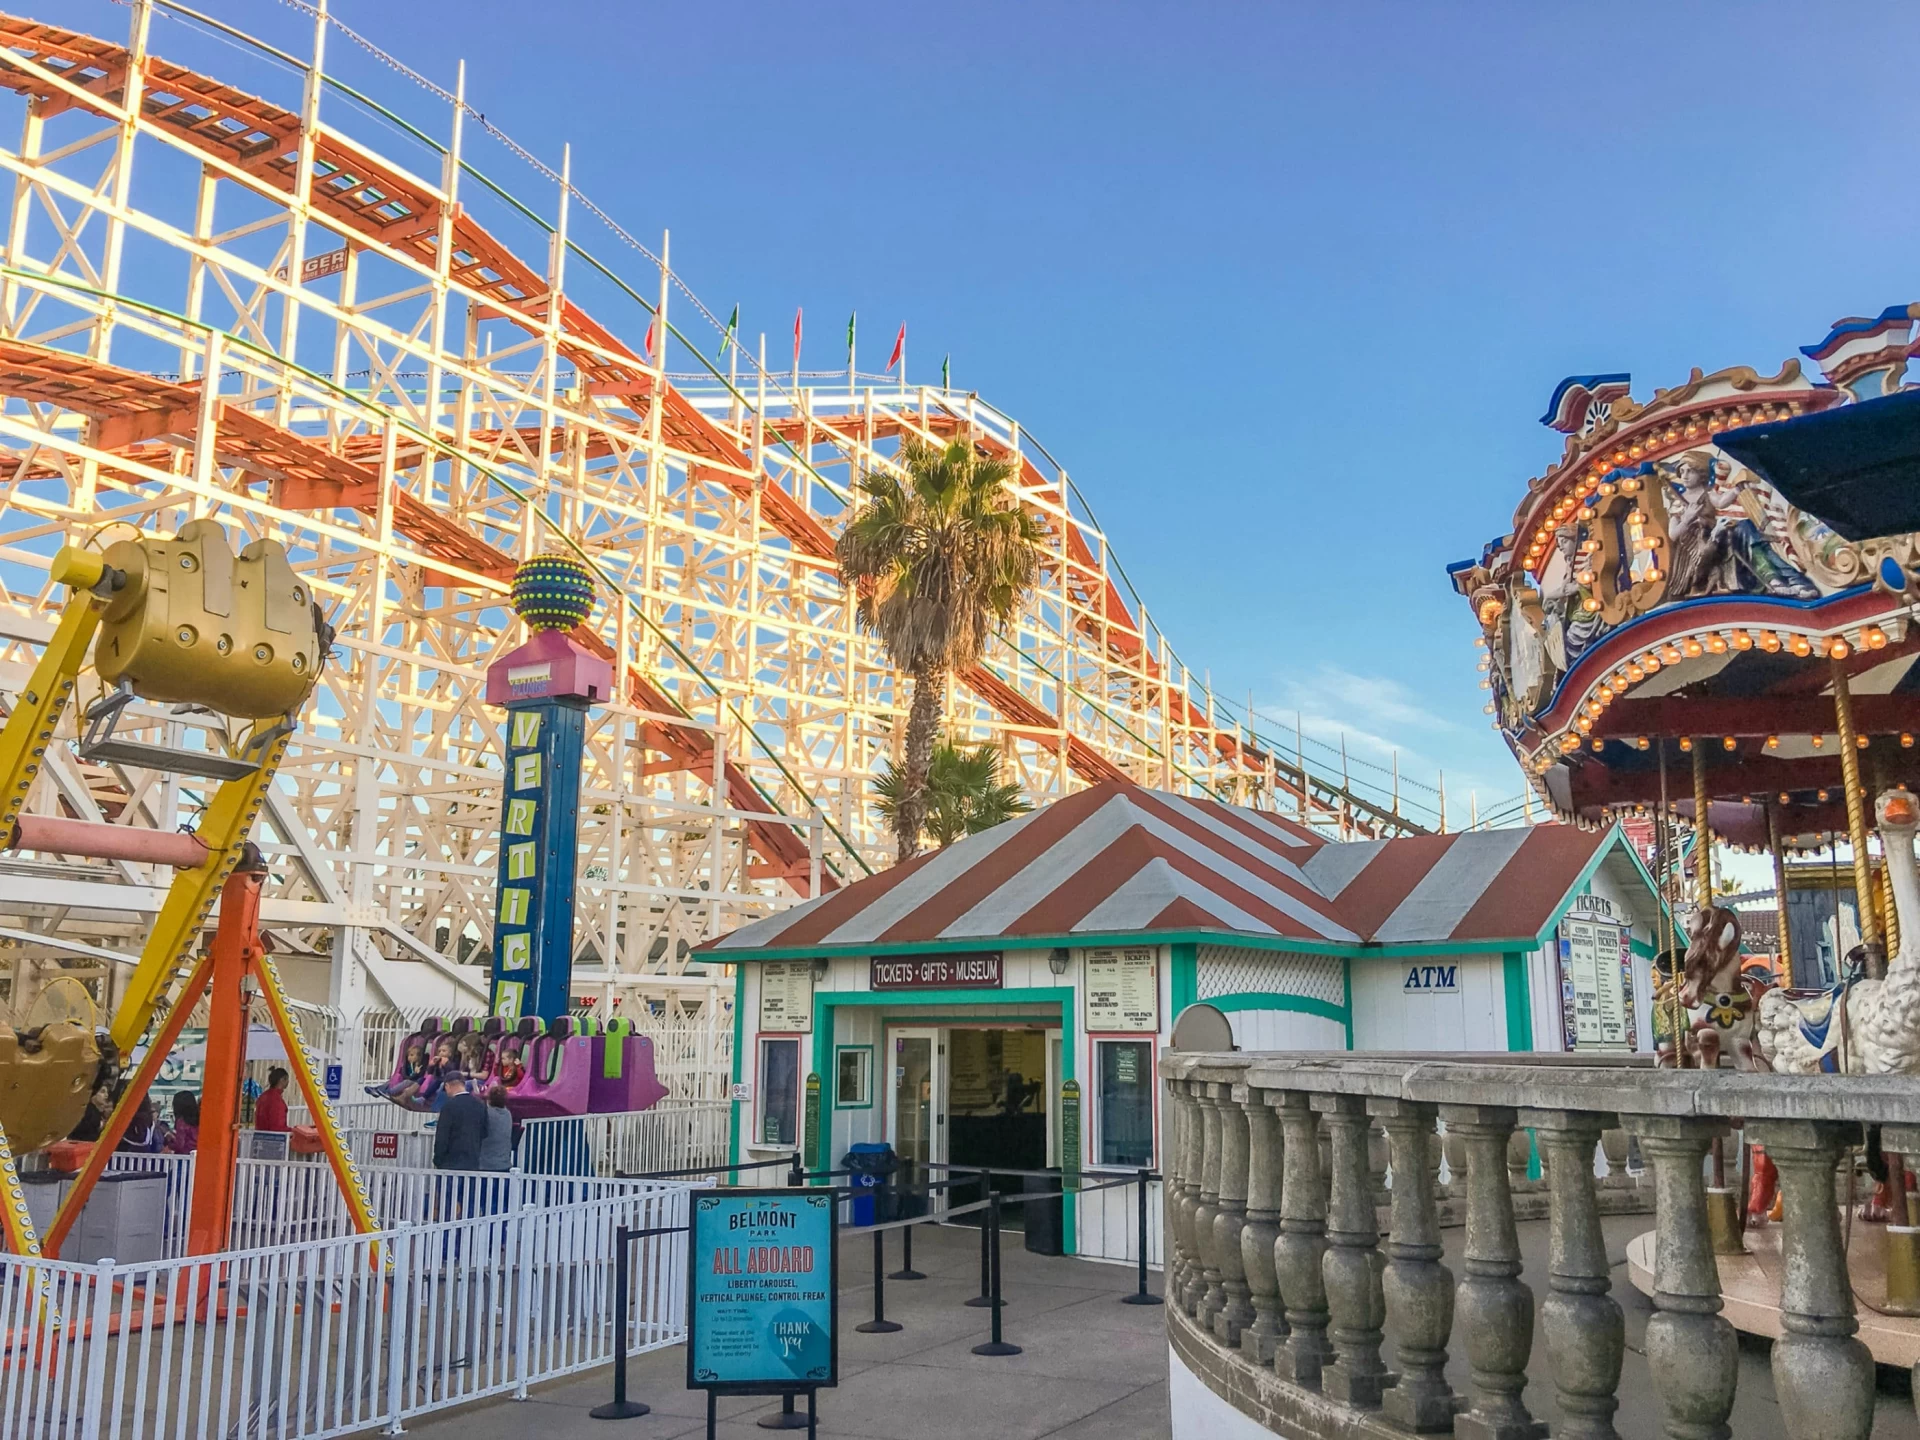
1090, 1367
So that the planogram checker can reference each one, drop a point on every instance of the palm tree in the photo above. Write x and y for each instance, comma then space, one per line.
937, 554
964, 794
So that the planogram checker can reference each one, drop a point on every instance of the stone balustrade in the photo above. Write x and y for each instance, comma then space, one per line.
1287, 1302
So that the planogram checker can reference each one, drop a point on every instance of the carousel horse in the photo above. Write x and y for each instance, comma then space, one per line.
1717, 990
1860, 1027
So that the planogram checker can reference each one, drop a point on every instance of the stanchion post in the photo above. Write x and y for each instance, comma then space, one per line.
620, 1408
996, 1345
1140, 1296
880, 1324
986, 1296
785, 1418
906, 1270
796, 1172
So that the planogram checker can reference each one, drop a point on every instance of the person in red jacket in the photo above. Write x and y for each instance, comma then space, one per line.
270, 1110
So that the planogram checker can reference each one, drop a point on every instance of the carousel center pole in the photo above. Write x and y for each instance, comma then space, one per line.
1870, 939
1784, 949
1663, 843
1723, 1206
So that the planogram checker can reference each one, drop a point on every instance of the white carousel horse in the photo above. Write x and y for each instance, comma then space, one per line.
1869, 1027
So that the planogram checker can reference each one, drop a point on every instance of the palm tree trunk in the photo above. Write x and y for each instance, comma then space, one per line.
929, 687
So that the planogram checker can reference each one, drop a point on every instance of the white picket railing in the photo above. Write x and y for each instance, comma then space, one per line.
283, 1201
325, 1337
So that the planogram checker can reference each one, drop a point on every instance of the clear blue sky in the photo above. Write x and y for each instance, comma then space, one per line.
1285, 287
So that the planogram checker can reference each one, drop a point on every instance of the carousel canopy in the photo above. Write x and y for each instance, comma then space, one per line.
1119, 860
1857, 467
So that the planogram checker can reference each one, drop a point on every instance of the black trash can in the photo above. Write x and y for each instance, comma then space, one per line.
1045, 1233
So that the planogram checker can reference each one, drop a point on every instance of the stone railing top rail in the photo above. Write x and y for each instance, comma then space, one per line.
1623, 1085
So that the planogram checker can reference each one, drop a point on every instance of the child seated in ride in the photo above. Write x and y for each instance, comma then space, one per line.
413, 1072
472, 1050
509, 1068
441, 1062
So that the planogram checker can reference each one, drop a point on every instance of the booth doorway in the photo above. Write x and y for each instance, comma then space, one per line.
973, 1095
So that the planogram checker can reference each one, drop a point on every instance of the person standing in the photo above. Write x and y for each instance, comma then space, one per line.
145, 1133
461, 1127
185, 1138
270, 1110
503, 1132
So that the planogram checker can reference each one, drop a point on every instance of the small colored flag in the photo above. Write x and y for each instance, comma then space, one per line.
647, 344
899, 348
946, 372
726, 341
796, 340
855, 315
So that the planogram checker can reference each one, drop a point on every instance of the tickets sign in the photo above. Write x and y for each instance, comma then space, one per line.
973, 970
762, 1302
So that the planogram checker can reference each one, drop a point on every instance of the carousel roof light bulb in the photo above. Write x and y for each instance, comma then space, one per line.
1598, 744
1769, 641
1643, 743
1686, 742
1591, 604
1650, 663
1717, 644
1635, 673
1819, 742
1742, 640
1838, 648
1822, 797
1785, 799
1860, 742
1801, 645
1727, 742
1656, 573
1691, 647
1773, 742
1906, 739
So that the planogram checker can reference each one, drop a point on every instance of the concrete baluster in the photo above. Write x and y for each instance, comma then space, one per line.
1303, 1239
1237, 1311
1586, 1334
1262, 1225
1824, 1377
1176, 1192
1417, 1288
1691, 1349
1193, 1283
1351, 1266
1210, 1293
1495, 1308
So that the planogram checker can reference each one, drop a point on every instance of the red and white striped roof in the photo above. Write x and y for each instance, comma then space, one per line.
1117, 859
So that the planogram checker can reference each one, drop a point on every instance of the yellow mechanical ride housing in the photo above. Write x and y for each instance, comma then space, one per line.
195, 624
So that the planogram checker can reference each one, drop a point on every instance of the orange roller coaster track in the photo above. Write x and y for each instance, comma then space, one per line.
362, 365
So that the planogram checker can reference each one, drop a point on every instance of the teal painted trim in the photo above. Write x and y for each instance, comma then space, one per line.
1616, 839
1304, 1004
1183, 980
838, 1051
1070, 1038
1519, 1001
739, 1058
1346, 981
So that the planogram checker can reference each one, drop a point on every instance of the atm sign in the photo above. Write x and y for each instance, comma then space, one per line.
975, 970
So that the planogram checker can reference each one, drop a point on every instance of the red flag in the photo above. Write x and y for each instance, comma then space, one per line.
648, 342
899, 348
796, 338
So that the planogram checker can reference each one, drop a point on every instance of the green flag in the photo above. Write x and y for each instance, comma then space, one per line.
850, 319
946, 372
733, 324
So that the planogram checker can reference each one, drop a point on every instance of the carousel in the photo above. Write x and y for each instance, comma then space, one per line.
1702, 625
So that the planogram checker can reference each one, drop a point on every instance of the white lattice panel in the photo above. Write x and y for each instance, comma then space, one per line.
1225, 970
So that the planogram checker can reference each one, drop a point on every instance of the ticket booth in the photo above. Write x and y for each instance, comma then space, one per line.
1004, 1002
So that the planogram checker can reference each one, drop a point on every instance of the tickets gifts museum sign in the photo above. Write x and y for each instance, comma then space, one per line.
971, 970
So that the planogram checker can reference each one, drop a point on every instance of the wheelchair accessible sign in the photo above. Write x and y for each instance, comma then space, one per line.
762, 1303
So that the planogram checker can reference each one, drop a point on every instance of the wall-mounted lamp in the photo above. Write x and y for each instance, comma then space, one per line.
1057, 960
821, 964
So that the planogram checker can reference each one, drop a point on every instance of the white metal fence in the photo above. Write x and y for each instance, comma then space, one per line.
326, 1337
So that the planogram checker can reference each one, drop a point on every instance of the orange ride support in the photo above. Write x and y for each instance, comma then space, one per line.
160, 1045
235, 941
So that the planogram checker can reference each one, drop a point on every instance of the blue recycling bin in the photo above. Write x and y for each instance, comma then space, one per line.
871, 1163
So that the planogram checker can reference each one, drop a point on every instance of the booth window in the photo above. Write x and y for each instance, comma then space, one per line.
853, 1077
780, 1091
1125, 1105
